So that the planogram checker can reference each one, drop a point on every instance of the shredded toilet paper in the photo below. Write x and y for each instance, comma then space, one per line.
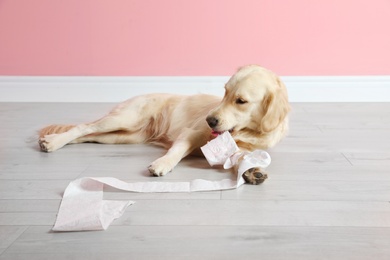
83, 208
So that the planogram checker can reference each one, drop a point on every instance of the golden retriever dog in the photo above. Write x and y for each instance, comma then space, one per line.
254, 110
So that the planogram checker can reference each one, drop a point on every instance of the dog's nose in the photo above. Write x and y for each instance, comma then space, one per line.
212, 121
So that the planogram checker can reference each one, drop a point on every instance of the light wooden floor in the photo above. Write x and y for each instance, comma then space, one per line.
327, 196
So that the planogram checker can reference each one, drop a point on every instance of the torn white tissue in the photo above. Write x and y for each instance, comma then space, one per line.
83, 208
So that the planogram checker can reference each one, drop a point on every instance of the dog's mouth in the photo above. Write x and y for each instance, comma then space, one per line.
216, 133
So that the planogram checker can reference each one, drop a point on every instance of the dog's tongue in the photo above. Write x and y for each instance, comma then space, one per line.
216, 133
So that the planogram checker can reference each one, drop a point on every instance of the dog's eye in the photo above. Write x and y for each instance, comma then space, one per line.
240, 101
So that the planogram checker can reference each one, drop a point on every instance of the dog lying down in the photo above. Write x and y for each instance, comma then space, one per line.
254, 110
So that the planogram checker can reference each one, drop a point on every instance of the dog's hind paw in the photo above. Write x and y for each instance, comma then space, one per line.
254, 176
49, 143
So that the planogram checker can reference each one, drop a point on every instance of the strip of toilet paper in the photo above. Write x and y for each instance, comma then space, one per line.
83, 207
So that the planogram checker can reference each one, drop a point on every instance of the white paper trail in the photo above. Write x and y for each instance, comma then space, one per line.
83, 208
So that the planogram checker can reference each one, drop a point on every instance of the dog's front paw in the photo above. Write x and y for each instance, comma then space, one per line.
160, 167
254, 176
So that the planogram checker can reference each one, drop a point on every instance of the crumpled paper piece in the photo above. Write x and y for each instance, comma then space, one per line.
83, 208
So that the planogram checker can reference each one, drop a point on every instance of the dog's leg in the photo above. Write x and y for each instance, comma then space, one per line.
188, 140
53, 142
117, 137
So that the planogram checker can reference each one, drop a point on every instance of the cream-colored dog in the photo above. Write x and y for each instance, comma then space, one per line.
254, 110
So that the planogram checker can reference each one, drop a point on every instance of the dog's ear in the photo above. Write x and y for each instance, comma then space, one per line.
275, 107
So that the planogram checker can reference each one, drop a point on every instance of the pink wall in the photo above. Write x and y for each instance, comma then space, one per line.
194, 37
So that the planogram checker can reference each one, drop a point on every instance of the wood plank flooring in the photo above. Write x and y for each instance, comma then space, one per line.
327, 196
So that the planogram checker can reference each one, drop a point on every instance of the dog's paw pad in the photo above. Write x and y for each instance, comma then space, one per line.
254, 176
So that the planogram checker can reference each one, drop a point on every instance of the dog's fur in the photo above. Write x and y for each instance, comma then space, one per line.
254, 110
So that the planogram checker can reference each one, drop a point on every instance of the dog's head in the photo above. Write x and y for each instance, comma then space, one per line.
255, 99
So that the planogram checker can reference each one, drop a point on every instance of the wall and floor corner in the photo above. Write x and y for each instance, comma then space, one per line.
117, 89
325, 50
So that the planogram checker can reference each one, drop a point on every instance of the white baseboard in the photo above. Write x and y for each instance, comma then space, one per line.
116, 89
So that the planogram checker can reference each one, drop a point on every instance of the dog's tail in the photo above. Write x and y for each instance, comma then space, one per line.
54, 129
